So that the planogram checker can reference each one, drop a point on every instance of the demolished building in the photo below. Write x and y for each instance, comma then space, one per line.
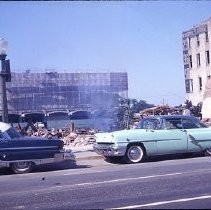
64, 93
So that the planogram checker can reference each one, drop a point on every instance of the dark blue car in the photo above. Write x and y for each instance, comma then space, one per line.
22, 153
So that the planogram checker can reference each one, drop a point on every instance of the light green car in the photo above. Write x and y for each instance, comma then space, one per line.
155, 135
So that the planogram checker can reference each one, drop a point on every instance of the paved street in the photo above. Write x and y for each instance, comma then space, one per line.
167, 182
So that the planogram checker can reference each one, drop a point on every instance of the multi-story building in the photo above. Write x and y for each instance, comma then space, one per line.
50, 91
196, 56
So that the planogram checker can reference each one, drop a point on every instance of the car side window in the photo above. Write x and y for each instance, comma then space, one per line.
173, 123
188, 124
152, 124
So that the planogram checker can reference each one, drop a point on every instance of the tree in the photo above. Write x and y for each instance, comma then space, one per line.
188, 104
138, 106
123, 117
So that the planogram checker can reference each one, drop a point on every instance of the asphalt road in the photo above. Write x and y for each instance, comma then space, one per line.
95, 184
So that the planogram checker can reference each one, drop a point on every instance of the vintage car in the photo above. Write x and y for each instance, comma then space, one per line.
22, 153
155, 135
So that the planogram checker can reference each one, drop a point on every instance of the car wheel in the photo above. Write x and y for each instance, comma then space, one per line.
22, 167
134, 154
208, 151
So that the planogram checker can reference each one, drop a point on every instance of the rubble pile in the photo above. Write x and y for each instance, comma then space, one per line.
159, 110
79, 137
207, 121
71, 136
76, 140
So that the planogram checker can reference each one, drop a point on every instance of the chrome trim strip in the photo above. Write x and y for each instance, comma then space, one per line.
28, 148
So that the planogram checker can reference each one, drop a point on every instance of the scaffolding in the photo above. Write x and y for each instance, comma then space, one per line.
48, 91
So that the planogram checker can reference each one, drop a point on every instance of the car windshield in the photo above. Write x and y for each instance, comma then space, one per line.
13, 133
183, 123
199, 123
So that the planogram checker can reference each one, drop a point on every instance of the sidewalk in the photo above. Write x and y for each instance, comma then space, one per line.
85, 153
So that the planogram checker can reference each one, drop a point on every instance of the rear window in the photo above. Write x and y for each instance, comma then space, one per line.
178, 123
195, 123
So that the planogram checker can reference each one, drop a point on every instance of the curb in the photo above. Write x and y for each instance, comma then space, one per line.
85, 153
88, 154
96, 157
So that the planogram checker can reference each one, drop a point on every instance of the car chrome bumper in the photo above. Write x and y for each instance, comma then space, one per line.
58, 157
64, 155
109, 150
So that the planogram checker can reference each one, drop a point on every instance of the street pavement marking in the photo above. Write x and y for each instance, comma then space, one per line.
19, 207
105, 170
69, 186
164, 202
124, 179
77, 172
128, 179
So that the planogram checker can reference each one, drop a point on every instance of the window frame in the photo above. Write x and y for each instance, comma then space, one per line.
197, 40
190, 61
207, 55
200, 83
206, 36
198, 59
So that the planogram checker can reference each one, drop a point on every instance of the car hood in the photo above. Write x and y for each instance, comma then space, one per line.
133, 133
104, 138
119, 135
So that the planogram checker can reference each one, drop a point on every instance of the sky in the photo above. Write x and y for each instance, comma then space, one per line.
142, 38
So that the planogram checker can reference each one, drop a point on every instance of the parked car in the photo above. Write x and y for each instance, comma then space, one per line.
22, 153
155, 135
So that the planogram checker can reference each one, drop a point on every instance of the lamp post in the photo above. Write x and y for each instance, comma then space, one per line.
3, 75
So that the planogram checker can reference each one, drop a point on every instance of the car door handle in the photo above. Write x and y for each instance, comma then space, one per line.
183, 130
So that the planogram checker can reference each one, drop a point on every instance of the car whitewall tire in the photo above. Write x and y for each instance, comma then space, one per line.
208, 151
22, 167
134, 154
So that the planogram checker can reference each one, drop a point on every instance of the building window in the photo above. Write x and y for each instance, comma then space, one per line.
189, 43
200, 83
207, 57
190, 61
197, 40
189, 85
198, 59
206, 36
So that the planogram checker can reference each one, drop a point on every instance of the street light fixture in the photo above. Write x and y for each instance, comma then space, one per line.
5, 72
3, 46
